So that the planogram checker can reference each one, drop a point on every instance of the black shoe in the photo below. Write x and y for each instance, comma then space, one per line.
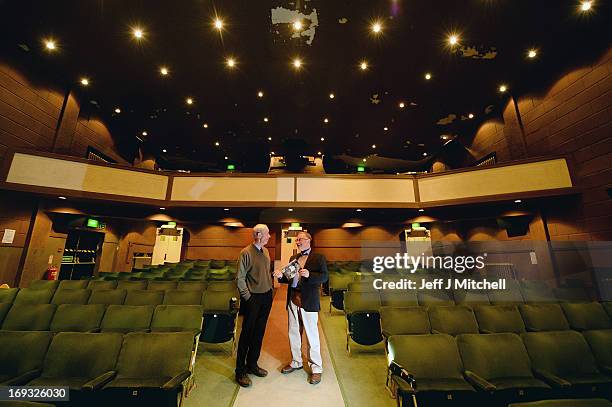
257, 371
243, 380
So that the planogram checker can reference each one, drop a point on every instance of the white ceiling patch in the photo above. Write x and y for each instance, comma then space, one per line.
310, 22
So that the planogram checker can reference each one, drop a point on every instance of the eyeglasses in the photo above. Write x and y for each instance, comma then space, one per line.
302, 238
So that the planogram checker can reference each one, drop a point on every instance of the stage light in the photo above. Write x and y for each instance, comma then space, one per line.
503, 88
427, 76
586, 5
471, 116
453, 39
331, 96
50, 45
297, 63
218, 24
231, 62
84, 81
189, 101
363, 65
402, 105
260, 94
532, 53
117, 110
164, 71
138, 33
376, 27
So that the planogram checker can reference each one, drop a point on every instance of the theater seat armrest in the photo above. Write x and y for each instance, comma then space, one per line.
551, 378
403, 387
94, 331
607, 370
100, 381
479, 382
23, 378
486, 331
176, 380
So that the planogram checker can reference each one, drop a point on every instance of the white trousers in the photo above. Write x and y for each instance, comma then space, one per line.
309, 324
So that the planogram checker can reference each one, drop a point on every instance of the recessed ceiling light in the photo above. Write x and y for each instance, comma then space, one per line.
85, 81
61, 197
331, 96
164, 151
205, 125
189, 101
376, 27
138, 33
444, 137
319, 153
260, 94
297, 63
385, 128
424, 154
117, 110
272, 153
358, 210
230, 62
322, 138
50, 44
226, 209
218, 24
471, 116
364, 160
402, 105
217, 143
421, 210
586, 5
269, 138
290, 209
373, 145
428, 76
162, 208
532, 53
266, 119
297, 25
453, 39
503, 88
363, 65
517, 201
164, 71
144, 133
226, 158
326, 120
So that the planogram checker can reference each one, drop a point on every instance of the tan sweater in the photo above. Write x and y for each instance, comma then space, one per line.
254, 274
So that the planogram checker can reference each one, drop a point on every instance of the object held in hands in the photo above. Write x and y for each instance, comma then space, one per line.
291, 269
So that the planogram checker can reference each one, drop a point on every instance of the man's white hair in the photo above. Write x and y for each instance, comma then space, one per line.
260, 228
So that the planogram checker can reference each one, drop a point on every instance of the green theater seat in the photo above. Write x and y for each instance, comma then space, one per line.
131, 285
499, 364
538, 295
182, 297
4, 309
108, 297
102, 285
144, 297
8, 295
363, 319
34, 296
177, 318
471, 297
127, 318
572, 294
608, 307
543, 317
433, 361
222, 286
510, 296
219, 317
564, 360
44, 284
566, 403
77, 318
21, 356
583, 316
392, 298
499, 319
452, 320
434, 297
361, 286
72, 284
71, 296
191, 285
217, 264
29, 317
151, 369
600, 342
161, 285
404, 321
81, 361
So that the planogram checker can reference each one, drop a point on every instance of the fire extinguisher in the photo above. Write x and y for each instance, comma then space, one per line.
52, 272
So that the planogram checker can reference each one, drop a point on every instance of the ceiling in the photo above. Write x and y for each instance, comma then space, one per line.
96, 39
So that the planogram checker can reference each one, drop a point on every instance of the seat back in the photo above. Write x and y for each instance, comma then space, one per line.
34, 296
44, 284
562, 353
533, 284
434, 297
7, 295
21, 352
83, 355
131, 285
471, 297
154, 355
404, 321
499, 319
600, 342
510, 296
29, 317
144, 297
361, 301
543, 317
72, 284
108, 297
427, 356
538, 295
182, 297
573, 294
161, 285
4, 309
127, 318
71, 296
102, 285
77, 318
177, 318
221, 286
584, 316
392, 298
191, 285
359, 286
339, 281
216, 301
495, 356
452, 320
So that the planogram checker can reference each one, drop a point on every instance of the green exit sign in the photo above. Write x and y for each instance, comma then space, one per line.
171, 223
231, 167
295, 224
93, 223
361, 168
416, 225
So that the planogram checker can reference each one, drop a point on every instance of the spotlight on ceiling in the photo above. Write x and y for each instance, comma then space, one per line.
385, 128
226, 158
164, 71
85, 81
517, 201
421, 210
357, 210
61, 197
326, 120
364, 160
402, 105
297, 25
471, 116
503, 88
189, 101
162, 208
319, 153
586, 5
144, 133
164, 150
117, 110
217, 143
444, 137
427, 76
266, 119
376, 27
218, 24
322, 138
297, 63
269, 138
230, 62
532, 53
290, 209
50, 45
260, 94
373, 145
424, 154
331, 96
453, 40
138, 33
363, 65
205, 125
226, 209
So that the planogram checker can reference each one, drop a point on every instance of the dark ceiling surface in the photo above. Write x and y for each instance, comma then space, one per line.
94, 39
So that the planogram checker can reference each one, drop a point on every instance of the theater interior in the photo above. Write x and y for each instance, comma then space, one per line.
141, 143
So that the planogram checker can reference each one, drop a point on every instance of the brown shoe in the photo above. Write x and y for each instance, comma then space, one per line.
243, 380
315, 378
289, 369
257, 371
